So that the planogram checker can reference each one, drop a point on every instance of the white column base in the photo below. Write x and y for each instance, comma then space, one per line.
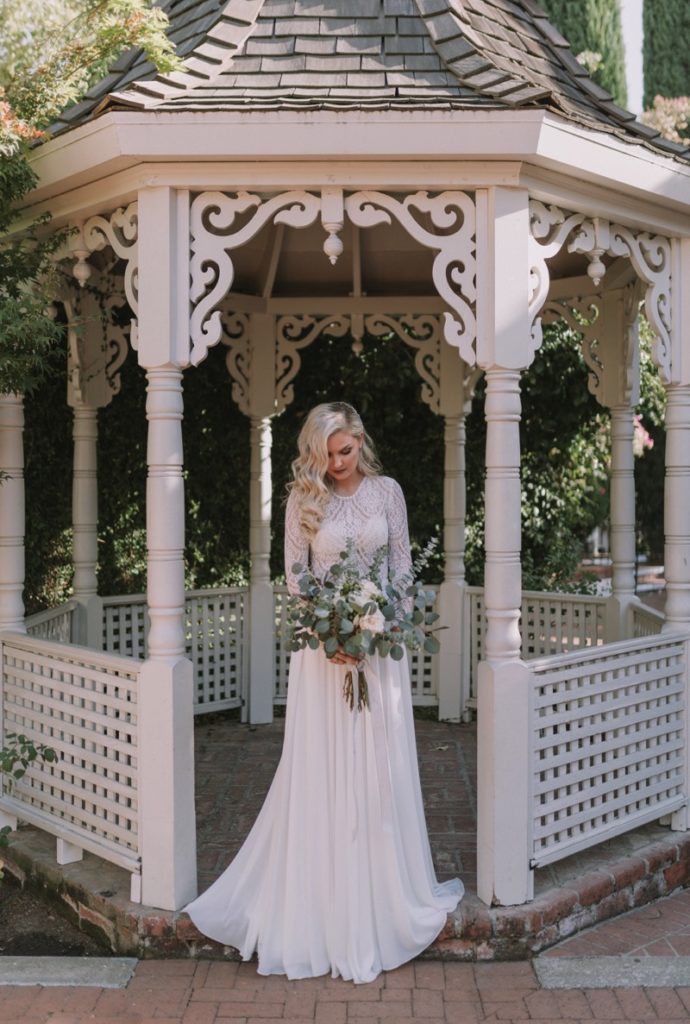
68, 853
166, 784
504, 812
452, 698
261, 653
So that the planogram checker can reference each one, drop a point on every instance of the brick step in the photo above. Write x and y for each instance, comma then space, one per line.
94, 894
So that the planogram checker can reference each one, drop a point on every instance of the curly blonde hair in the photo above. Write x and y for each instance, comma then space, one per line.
310, 483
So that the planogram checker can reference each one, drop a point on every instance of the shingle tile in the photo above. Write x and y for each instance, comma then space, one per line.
373, 54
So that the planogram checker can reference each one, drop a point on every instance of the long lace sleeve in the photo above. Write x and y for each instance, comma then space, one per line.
399, 558
296, 544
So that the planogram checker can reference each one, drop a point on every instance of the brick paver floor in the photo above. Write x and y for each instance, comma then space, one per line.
661, 929
188, 992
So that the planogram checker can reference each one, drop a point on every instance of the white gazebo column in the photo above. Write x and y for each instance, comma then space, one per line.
166, 724
504, 818
261, 619
12, 527
452, 695
88, 629
677, 536
622, 522
677, 508
11, 533
252, 362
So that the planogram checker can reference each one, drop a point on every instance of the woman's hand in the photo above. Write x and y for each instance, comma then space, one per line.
341, 658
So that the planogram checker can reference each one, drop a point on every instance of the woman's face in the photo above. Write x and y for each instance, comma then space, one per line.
343, 456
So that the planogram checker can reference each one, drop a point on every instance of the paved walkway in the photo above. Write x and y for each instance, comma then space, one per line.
168, 992
424, 992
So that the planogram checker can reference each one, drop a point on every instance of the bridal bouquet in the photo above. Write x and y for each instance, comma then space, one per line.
360, 615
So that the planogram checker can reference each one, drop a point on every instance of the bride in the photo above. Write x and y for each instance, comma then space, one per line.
336, 874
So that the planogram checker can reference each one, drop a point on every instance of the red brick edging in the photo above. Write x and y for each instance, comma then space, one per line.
474, 932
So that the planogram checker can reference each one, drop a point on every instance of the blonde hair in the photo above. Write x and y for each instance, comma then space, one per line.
310, 483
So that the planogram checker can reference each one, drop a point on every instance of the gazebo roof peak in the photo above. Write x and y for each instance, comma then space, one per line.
258, 55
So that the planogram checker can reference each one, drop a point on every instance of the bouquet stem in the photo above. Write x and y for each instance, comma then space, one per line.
362, 690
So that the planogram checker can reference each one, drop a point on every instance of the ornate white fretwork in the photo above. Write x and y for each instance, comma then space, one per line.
235, 336
97, 343
219, 225
582, 316
120, 231
650, 256
549, 228
293, 333
422, 332
453, 215
222, 222
608, 327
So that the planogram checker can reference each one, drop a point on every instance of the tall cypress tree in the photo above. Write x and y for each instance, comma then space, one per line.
595, 25
666, 49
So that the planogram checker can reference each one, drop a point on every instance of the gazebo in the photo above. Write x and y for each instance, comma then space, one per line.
442, 171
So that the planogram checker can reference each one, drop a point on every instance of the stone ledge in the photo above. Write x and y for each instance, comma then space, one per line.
95, 895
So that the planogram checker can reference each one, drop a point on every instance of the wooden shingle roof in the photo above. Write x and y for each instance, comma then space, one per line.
363, 55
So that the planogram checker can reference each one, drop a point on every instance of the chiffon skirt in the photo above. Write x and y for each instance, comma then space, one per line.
336, 874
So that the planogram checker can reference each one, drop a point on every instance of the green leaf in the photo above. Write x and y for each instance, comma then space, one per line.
388, 612
397, 652
431, 645
331, 646
322, 627
346, 626
313, 642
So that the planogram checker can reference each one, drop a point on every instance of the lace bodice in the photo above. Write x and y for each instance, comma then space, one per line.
375, 515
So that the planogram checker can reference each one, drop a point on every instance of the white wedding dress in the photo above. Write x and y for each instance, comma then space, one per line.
336, 874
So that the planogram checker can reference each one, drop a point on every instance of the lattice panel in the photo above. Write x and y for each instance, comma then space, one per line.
54, 624
646, 621
216, 631
608, 732
422, 666
555, 623
281, 656
126, 625
550, 624
84, 705
217, 647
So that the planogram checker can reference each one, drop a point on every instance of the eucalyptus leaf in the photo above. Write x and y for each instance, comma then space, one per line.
431, 645
314, 642
331, 646
396, 652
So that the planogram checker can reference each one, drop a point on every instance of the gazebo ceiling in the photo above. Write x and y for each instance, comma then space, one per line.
380, 261
287, 55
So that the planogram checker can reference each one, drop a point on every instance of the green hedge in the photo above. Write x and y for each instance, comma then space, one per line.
594, 25
666, 49
563, 431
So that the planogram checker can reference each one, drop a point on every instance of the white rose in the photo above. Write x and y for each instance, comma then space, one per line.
374, 622
367, 591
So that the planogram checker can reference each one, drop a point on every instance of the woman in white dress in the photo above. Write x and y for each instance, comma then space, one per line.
336, 875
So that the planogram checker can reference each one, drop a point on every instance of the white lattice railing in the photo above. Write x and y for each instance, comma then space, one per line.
550, 624
609, 738
423, 667
52, 624
646, 621
83, 704
216, 644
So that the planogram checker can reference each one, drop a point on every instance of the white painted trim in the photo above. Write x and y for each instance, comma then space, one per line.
351, 142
